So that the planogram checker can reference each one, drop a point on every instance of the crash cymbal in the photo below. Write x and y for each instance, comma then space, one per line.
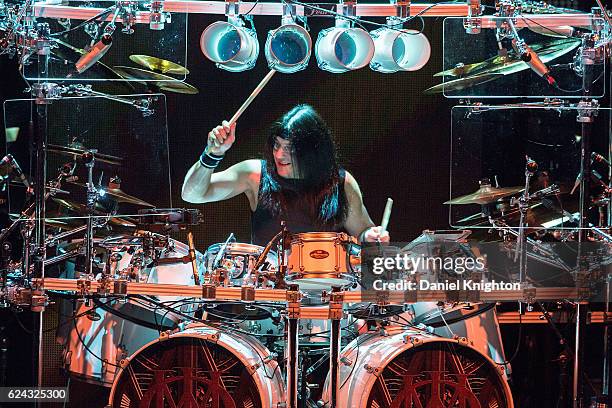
158, 64
486, 194
163, 82
77, 151
118, 195
512, 63
461, 83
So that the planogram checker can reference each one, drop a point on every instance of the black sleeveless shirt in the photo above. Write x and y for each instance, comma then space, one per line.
265, 225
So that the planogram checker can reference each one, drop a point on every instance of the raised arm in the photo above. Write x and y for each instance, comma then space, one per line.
358, 222
202, 184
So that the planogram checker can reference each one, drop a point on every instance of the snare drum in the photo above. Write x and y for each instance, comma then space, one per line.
237, 261
320, 260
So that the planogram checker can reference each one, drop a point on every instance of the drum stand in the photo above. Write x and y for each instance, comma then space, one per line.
335, 315
291, 353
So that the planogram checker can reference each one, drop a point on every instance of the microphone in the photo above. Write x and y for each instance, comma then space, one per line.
16, 169
533, 60
95, 53
599, 158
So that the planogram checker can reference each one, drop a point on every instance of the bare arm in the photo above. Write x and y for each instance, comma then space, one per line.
358, 222
202, 184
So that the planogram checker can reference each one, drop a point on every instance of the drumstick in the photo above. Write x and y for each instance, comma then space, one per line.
386, 216
192, 256
252, 96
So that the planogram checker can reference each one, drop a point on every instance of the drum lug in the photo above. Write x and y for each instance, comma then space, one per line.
462, 340
165, 335
410, 339
372, 370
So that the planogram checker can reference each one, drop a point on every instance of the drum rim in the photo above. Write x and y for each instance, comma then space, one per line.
224, 339
396, 345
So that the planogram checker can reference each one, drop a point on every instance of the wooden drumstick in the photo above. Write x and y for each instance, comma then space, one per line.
193, 257
386, 216
252, 96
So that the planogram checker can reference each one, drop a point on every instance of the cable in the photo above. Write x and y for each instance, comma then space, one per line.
88, 349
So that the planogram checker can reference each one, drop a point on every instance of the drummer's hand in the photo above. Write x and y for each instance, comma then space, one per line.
221, 138
374, 234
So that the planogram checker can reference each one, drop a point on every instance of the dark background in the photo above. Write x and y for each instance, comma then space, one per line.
391, 137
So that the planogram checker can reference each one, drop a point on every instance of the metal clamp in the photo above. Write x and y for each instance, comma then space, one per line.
209, 291
293, 302
336, 299
473, 23
587, 111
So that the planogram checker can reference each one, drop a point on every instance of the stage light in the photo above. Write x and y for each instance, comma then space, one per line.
343, 48
230, 45
288, 47
398, 49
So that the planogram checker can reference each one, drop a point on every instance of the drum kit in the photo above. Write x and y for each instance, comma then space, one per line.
159, 345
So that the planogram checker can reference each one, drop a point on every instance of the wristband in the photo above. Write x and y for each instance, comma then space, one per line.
209, 160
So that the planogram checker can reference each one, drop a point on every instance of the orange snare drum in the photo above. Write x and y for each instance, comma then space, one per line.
320, 260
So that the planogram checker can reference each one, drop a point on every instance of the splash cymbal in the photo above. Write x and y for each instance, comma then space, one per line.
158, 64
163, 82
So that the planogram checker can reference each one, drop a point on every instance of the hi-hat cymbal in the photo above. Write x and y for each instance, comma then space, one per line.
163, 82
486, 194
118, 195
158, 64
81, 209
77, 151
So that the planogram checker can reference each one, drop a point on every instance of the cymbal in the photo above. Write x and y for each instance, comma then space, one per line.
158, 64
486, 194
81, 209
77, 151
118, 195
163, 82
461, 83
49, 222
512, 63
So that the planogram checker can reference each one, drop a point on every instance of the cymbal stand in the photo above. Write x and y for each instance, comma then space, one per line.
92, 197
523, 206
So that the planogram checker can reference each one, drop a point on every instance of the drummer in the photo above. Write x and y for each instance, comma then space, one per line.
299, 180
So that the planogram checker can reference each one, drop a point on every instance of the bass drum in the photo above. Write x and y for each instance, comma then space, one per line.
202, 366
407, 368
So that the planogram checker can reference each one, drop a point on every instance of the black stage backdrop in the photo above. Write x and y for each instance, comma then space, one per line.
391, 137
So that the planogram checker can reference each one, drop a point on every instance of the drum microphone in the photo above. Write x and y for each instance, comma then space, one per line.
95, 53
532, 59
10, 160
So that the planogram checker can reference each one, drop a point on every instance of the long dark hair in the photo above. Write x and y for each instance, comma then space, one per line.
316, 165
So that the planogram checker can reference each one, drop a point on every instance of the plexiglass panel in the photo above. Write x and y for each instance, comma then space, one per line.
490, 146
130, 150
476, 65
125, 38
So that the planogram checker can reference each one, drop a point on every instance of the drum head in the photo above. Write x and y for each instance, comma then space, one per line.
186, 371
237, 311
439, 371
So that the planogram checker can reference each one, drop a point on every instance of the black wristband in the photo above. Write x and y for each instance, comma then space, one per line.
209, 160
